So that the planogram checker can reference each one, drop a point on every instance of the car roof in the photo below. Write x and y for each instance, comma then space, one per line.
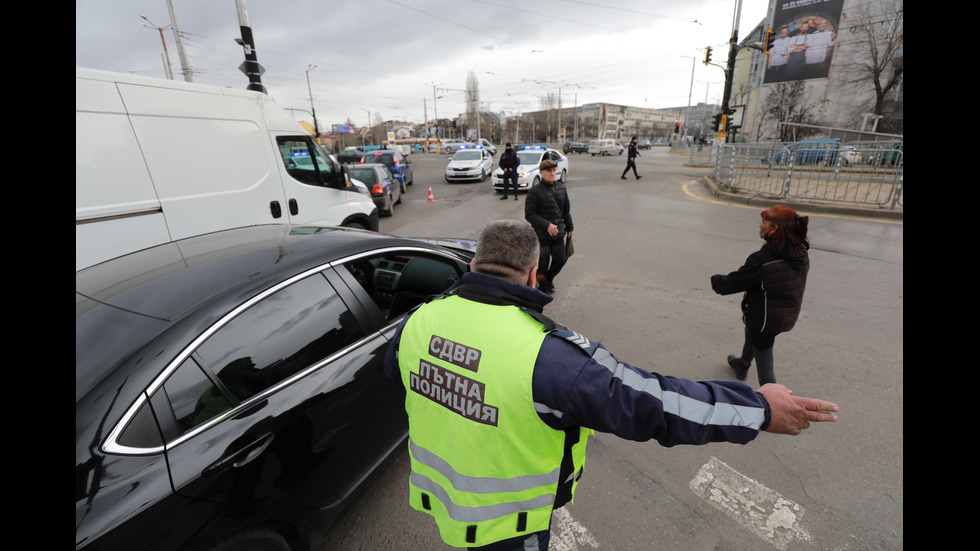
152, 289
173, 271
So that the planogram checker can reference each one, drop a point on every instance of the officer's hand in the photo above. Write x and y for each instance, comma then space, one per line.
552, 230
792, 414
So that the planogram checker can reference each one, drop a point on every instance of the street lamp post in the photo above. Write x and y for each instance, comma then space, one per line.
168, 69
316, 128
369, 124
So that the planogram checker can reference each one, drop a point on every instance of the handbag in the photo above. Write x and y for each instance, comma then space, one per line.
569, 248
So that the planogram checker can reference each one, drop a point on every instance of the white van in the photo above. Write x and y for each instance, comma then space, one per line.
158, 160
605, 147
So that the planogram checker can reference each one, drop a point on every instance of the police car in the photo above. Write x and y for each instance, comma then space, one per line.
527, 173
469, 163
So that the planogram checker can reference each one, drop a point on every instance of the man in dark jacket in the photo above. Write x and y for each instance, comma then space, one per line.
562, 387
509, 161
631, 159
549, 211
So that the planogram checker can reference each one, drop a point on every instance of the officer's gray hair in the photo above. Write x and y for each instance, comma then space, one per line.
507, 249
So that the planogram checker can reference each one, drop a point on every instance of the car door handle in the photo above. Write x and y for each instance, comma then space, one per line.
276, 209
241, 457
293, 207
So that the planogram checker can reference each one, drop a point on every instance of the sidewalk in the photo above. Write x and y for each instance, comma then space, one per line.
802, 205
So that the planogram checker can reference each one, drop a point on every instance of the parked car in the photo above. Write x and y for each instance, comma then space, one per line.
385, 189
229, 391
488, 146
605, 147
574, 147
643, 144
806, 152
528, 173
398, 164
850, 156
350, 155
470, 163
891, 155
446, 146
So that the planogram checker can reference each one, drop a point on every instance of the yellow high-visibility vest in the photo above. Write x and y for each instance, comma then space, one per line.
484, 464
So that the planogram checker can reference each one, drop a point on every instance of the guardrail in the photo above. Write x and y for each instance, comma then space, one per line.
858, 173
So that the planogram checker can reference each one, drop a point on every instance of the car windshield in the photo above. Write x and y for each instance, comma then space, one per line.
366, 176
467, 156
386, 159
529, 157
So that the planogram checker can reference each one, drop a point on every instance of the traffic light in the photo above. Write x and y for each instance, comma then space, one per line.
707, 55
677, 128
717, 121
770, 39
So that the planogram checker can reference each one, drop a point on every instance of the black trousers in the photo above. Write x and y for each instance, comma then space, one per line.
552, 259
512, 177
758, 347
630, 164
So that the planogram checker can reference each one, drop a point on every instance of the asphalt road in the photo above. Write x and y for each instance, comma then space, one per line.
639, 283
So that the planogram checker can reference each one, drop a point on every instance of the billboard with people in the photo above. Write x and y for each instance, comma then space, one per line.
806, 32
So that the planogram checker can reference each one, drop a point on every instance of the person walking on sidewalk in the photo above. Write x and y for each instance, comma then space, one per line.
631, 159
509, 161
773, 280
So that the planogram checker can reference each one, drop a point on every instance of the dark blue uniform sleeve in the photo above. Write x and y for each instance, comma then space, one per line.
579, 383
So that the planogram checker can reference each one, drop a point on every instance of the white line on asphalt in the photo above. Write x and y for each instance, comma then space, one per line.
567, 533
761, 510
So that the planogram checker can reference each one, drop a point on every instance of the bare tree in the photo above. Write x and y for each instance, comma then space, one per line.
873, 60
787, 102
472, 99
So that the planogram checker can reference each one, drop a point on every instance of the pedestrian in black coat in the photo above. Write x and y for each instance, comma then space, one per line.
773, 280
631, 159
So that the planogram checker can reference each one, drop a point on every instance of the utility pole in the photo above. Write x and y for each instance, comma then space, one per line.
181, 54
435, 111
316, 129
726, 110
251, 66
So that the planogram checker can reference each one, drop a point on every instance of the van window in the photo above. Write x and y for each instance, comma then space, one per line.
304, 161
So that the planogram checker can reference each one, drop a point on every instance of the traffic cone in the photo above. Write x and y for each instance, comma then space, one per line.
431, 198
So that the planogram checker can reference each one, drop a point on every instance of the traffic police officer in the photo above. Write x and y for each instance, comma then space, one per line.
501, 401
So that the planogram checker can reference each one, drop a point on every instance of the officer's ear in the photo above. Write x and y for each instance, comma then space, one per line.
532, 278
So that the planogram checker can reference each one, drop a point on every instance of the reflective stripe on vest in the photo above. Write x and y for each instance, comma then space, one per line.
484, 464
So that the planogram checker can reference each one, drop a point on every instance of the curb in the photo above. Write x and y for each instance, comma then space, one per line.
804, 206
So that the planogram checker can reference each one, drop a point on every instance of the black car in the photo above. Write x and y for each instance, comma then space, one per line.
229, 391
350, 156
574, 147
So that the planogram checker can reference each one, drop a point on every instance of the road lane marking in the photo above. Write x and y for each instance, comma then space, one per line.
764, 512
569, 533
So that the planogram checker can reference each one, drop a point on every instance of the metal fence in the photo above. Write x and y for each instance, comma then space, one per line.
860, 173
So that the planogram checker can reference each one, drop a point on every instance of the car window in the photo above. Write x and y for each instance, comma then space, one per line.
529, 158
396, 283
468, 156
281, 335
384, 159
194, 399
366, 176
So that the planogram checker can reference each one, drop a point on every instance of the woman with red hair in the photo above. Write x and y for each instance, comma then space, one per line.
773, 280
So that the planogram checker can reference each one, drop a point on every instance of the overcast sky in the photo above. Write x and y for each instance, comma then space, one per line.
386, 56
